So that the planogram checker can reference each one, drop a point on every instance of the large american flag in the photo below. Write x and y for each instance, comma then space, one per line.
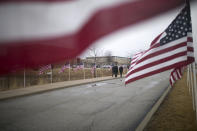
171, 49
39, 32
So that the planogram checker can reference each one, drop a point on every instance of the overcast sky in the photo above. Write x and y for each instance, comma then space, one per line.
132, 39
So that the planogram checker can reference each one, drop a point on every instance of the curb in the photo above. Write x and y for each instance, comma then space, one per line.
155, 107
10, 94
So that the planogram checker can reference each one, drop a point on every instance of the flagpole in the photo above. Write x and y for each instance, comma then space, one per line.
69, 72
51, 74
195, 88
84, 71
95, 71
188, 82
24, 78
192, 87
92, 71
101, 72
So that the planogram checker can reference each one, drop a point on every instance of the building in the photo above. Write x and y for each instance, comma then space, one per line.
106, 60
73, 62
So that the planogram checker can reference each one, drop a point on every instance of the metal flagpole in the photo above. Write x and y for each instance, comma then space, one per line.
191, 77
69, 72
195, 88
92, 71
51, 74
188, 82
101, 72
192, 87
24, 79
84, 72
95, 71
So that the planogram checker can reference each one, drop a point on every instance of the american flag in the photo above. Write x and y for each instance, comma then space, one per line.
93, 68
81, 66
110, 67
64, 67
171, 49
44, 68
176, 74
32, 29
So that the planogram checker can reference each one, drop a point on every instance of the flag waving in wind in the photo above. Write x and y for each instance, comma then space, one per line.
39, 32
171, 49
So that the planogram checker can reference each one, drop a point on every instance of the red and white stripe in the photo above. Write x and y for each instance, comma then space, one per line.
135, 58
79, 67
93, 68
176, 74
64, 67
161, 58
40, 32
110, 68
44, 68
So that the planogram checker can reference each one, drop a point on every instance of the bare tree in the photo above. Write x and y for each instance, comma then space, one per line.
95, 52
108, 54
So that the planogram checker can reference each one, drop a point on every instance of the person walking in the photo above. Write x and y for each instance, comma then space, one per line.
115, 70
120, 70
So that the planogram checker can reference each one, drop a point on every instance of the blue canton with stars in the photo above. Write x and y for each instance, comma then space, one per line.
179, 28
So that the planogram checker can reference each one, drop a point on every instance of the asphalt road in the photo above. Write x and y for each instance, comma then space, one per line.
101, 106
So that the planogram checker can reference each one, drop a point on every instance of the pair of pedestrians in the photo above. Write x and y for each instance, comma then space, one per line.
115, 71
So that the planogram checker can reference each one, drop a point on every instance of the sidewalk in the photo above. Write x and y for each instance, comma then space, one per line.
47, 87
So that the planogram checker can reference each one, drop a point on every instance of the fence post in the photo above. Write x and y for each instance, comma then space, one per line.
51, 74
84, 76
69, 74
24, 78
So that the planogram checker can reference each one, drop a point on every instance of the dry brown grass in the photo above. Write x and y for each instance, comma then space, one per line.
16, 79
176, 112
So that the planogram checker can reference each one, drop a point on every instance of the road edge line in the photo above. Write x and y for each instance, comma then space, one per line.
155, 107
51, 89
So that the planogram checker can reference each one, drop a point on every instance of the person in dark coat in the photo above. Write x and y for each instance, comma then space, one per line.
115, 70
120, 70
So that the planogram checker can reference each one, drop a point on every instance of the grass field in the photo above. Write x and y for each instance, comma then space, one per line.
176, 112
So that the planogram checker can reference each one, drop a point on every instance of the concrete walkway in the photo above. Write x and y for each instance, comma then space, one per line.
47, 87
